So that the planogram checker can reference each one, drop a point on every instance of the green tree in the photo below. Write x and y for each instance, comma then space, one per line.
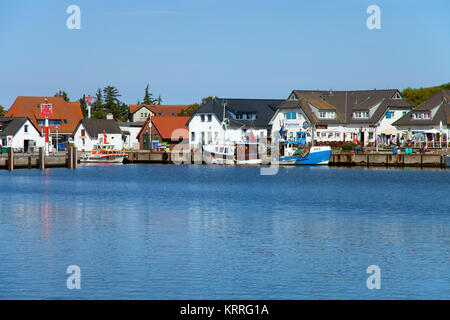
190, 111
97, 107
83, 105
2, 111
62, 93
148, 97
159, 99
417, 96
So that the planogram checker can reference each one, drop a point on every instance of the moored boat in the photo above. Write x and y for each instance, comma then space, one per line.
297, 155
103, 153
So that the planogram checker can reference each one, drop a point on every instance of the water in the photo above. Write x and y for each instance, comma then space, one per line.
212, 232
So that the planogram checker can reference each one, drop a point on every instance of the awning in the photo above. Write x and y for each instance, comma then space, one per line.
391, 131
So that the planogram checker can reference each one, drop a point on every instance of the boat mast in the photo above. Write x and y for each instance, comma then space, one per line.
224, 122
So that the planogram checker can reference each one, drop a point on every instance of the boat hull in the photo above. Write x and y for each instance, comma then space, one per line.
321, 157
112, 159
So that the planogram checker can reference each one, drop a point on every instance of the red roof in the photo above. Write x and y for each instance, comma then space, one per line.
165, 110
166, 125
68, 112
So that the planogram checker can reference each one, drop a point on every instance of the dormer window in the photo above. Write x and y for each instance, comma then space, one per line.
397, 96
292, 97
361, 115
421, 115
327, 114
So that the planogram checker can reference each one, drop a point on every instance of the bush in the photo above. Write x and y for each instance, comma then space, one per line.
347, 146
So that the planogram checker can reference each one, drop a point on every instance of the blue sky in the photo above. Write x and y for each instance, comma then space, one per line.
188, 49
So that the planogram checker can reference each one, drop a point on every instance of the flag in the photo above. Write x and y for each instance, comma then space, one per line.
252, 136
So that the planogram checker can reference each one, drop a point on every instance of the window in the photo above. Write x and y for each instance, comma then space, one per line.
84, 142
192, 136
361, 115
209, 118
327, 114
25, 128
422, 115
291, 115
397, 96
405, 112
83, 132
159, 113
173, 113
202, 118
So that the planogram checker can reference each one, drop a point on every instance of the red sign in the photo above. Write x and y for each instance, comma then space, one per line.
89, 99
46, 110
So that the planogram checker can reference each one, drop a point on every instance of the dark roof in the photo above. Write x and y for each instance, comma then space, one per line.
263, 108
96, 126
344, 103
10, 126
441, 99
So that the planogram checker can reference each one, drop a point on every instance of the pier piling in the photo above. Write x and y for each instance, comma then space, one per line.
10, 159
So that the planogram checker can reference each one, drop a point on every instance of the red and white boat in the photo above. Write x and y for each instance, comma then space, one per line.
103, 153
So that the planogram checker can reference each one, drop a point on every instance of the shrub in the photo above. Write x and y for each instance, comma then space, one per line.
348, 146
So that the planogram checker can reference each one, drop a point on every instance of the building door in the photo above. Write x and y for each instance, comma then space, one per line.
147, 145
26, 144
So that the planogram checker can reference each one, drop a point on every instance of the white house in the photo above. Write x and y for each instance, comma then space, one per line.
340, 116
130, 132
429, 121
91, 132
20, 133
244, 117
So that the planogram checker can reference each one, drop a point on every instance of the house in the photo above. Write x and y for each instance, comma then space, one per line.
340, 116
130, 131
65, 118
91, 132
163, 130
140, 112
429, 121
20, 133
245, 116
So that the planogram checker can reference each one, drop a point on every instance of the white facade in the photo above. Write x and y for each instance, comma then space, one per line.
27, 135
292, 121
84, 142
205, 128
131, 141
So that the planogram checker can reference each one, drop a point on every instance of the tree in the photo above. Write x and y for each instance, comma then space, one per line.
148, 97
63, 94
2, 111
97, 108
159, 99
190, 111
417, 96
83, 105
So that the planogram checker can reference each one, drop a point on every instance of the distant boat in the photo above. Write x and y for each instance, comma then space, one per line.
295, 154
232, 152
103, 153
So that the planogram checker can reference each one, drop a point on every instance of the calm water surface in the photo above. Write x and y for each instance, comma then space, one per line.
212, 232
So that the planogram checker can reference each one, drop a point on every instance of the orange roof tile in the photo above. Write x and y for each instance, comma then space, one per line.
168, 124
165, 110
68, 112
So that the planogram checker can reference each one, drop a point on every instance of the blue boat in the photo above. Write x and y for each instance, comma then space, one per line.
313, 156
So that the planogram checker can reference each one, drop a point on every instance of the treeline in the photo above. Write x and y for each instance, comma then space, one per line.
107, 100
417, 96
190, 111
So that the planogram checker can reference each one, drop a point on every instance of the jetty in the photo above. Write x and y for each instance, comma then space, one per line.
38, 160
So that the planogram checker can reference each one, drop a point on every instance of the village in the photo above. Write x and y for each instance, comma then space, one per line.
357, 124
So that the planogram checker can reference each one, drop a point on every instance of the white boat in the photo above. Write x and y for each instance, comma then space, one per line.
232, 152
103, 153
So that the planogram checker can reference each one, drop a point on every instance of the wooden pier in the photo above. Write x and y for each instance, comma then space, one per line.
388, 160
65, 159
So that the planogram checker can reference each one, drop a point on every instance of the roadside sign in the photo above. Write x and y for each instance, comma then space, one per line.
89, 99
46, 110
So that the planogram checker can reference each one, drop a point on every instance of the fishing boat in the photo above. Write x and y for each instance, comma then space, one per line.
103, 153
298, 152
224, 151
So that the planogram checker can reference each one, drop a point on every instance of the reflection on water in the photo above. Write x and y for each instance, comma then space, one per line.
205, 232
